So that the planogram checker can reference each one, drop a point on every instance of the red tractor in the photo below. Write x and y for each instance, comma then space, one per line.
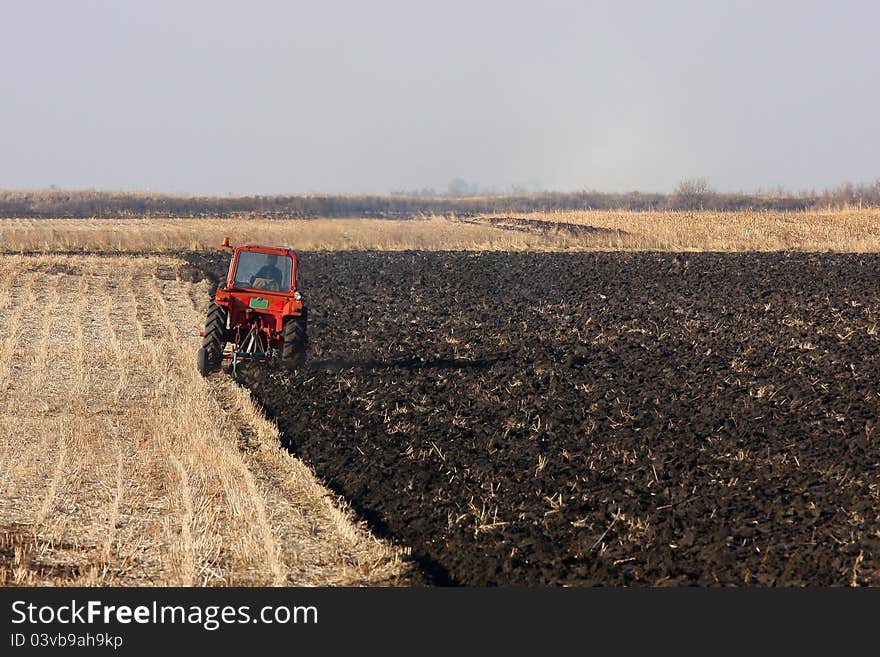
258, 312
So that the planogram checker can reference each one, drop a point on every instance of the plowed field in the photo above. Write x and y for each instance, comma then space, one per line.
596, 419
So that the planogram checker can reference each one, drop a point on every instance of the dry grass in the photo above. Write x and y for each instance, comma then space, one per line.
850, 230
120, 465
819, 230
168, 235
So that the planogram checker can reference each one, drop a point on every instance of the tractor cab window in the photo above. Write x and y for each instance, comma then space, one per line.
263, 271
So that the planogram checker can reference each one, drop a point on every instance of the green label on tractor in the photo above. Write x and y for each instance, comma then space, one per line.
260, 304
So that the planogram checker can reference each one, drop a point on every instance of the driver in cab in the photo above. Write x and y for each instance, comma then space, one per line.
269, 276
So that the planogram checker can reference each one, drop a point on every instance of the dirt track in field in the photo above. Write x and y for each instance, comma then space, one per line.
120, 465
597, 419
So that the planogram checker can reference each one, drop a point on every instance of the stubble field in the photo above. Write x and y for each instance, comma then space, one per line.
121, 466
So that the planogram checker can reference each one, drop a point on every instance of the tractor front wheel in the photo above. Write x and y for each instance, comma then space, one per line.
293, 351
210, 355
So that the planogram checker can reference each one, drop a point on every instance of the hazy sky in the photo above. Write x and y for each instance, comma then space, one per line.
255, 97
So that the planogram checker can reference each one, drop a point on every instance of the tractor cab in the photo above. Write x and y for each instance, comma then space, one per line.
270, 269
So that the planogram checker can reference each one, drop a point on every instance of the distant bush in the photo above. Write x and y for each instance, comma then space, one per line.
693, 194
864, 194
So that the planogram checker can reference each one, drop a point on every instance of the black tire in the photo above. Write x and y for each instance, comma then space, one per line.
202, 362
211, 354
293, 351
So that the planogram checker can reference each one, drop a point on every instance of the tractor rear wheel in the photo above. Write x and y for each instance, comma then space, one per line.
203, 362
293, 351
210, 355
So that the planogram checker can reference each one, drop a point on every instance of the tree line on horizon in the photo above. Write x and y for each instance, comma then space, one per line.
690, 194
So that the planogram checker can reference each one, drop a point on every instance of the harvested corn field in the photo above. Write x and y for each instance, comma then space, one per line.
120, 465
845, 230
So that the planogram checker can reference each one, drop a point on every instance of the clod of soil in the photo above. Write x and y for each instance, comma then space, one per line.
597, 419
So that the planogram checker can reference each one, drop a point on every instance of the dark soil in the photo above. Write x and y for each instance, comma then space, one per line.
596, 419
541, 226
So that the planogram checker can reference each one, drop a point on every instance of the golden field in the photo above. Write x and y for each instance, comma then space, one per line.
120, 465
816, 230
